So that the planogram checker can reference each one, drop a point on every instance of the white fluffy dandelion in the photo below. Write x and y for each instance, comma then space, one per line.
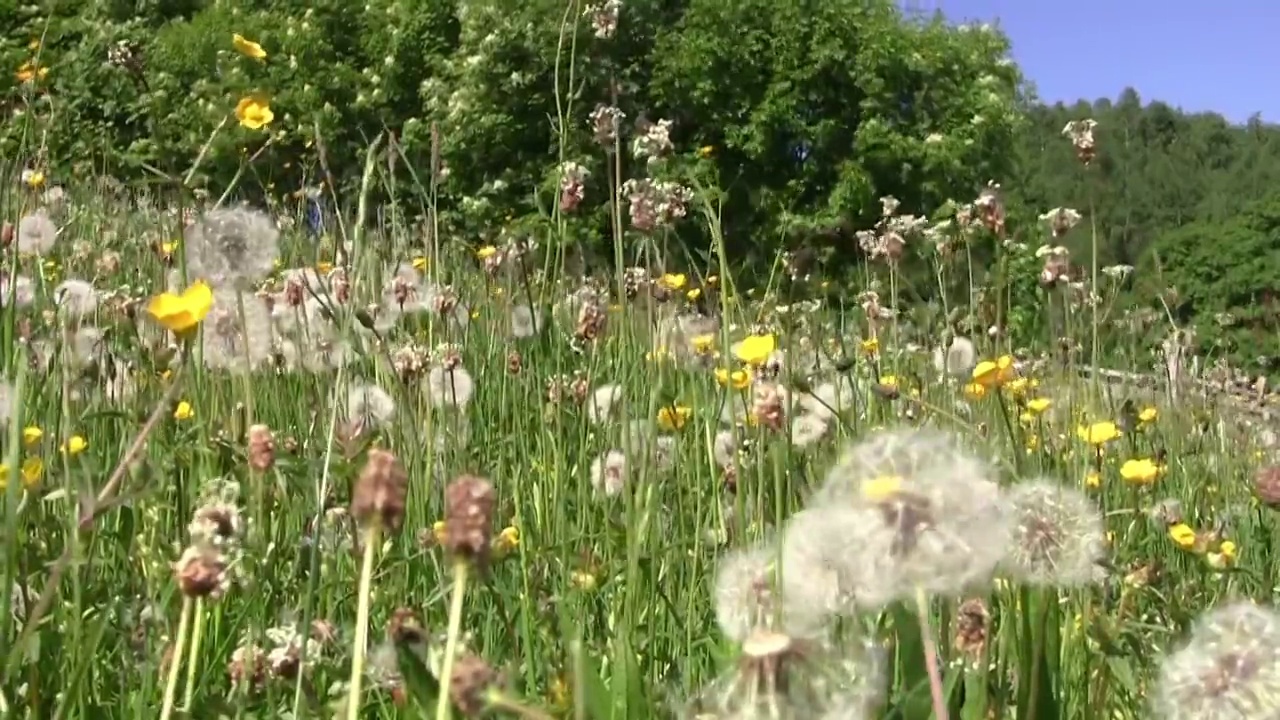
603, 402
808, 429
956, 359
609, 473
37, 233
371, 406
1228, 670
525, 321
234, 340
450, 388
232, 247
1058, 537
909, 511
76, 298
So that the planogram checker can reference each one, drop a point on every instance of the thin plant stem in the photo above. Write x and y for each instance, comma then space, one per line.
930, 656
175, 660
460, 574
361, 645
197, 634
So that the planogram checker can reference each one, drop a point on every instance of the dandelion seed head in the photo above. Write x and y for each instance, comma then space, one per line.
808, 429
609, 473
604, 400
37, 233
371, 406
1228, 670
21, 287
525, 321
76, 298
957, 358
232, 247
1058, 535
233, 341
916, 513
450, 388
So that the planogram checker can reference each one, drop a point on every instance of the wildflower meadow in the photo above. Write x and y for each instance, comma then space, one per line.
329, 451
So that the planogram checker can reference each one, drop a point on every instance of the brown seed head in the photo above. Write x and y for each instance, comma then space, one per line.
202, 572
972, 621
468, 517
472, 678
1266, 485
405, 628
514, 362
380, 491
262, 448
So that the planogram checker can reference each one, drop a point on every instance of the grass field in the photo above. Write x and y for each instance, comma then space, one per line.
324, 475
258, 468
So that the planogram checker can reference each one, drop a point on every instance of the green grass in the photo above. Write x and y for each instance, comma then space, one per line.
604, 607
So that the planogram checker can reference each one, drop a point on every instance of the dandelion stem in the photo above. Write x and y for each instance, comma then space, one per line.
930, 656
175, 660
361, 644
460, 573
197, 634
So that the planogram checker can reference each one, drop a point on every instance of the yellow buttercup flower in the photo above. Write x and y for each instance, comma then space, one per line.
31, 435
29, 71
706, 151
1099, 433
737, 379
703, 344
756, 349
30, 474
673, 281
1182, 535
1093, 480
324, 267
1148, 415
439, 531
995, 373
870, 346
254, 111
1142, 471
248, 48
419, 263
181, 313
75, 445
975, 391
693, 294
674, 417
1039, 405
506, 541
33, 179
184, 411
486, 252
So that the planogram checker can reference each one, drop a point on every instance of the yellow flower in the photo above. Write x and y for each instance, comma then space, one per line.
439, 531
1021, 386
32, 471
673, 281
693, 294
75, 445
31, 435
486, 252
674, 417
583, 580
184, 411
1224, 557
1032, 443
1182, 535
1038, 405
181, 313
706, 151
703, 344
1142, 471
871, 346
1093, 480
661, 354
254, 111
29, 71
738, 379
248, 48
506, 541
889, 381
33, 178
167, 249
975, 391
1148, 415
756, 349
324, 267
420, 263
882, 488
1099, 433
994, 373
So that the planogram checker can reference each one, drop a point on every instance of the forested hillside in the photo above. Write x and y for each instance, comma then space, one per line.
1189, 200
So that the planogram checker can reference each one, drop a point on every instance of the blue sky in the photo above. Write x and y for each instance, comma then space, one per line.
1220, 56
